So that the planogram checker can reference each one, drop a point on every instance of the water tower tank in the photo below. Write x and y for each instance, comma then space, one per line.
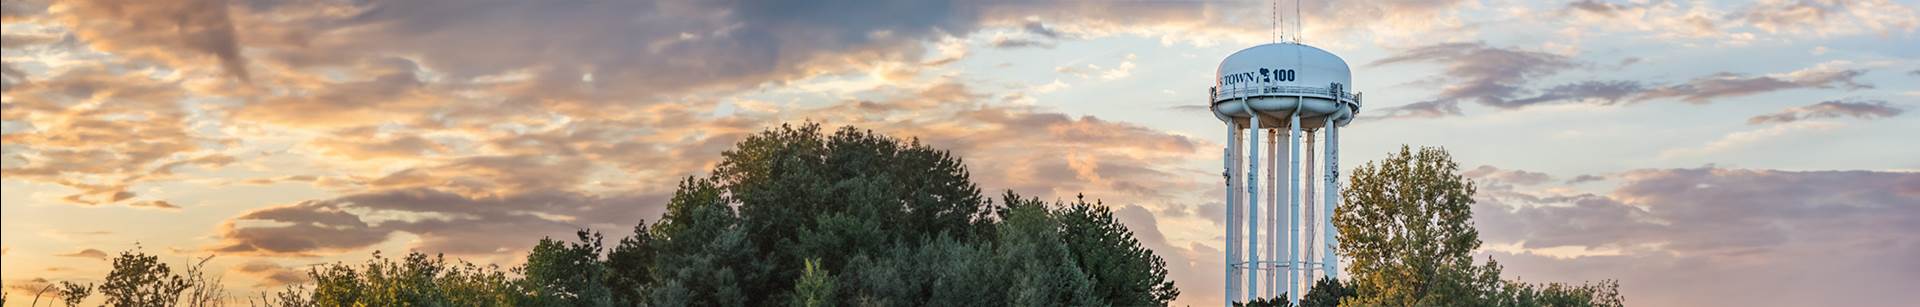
1281, 78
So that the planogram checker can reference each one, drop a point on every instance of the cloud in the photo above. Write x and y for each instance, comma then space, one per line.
442, 221
100, 133
1705, 89
272, 275
1503, 78
1830, 17
1013, 42
1423, 109
1746, 138
1491, 76
1496, 175
1668, 231
160, 30
1738, 22
1604, 92
1033, 34
155, 204
87, 253
1585, 179
1872, 109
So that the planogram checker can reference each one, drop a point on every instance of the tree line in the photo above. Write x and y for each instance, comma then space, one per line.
797, 216
793, 215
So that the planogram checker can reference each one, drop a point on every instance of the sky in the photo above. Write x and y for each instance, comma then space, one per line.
1703, 153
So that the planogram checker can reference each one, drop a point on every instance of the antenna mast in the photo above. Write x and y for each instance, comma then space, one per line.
1297, 28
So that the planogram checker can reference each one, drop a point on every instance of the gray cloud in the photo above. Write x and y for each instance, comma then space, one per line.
1423, 109
1705, 89
1596, 7
1686, 236
1502, 78
1491, 174
1496, 77
1476, 72
1711, 211
87, 253
1035, 34
272, 275
1585, 179
626, 45
1872, 109
1604, 92
154, 29
1012, 42
443, 221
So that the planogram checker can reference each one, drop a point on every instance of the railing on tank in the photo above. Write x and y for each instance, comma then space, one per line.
1278, 90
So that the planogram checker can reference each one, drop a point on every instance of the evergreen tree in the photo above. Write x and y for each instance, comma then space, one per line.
795, 216
705, 257
815, 287
630, 266
1042, 267
567, 274
1326, 292
1124, 272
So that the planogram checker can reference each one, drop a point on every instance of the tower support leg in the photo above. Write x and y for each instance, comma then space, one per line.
1329, 261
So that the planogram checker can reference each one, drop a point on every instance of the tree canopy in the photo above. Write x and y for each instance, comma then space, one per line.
1407, 228
797, 216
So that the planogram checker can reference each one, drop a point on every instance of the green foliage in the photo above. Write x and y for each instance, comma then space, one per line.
1606, 293
417, 280
704, 258
1267, 302
1327, 292
1043, 269
815, 287
140, 280
1407, 228
795, 216
566, 274
72, 293
630, 266
1124, 273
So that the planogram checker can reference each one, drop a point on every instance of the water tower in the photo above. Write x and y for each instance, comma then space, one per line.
1293, 91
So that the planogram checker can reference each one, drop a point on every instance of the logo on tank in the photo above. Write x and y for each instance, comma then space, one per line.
1264, 75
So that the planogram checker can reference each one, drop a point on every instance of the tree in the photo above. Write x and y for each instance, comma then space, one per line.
73, 293
1407, 227
140, 280
201, 289
630, 267
1042, 266
815, 287
417, 280
805, 194
1326, 292
795, 216
1266, 302
567, 274
1124, 273
705, 257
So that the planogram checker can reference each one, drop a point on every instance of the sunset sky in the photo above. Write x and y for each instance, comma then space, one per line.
1731, 153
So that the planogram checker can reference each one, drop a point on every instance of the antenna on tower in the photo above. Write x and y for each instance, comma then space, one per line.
1299, 30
